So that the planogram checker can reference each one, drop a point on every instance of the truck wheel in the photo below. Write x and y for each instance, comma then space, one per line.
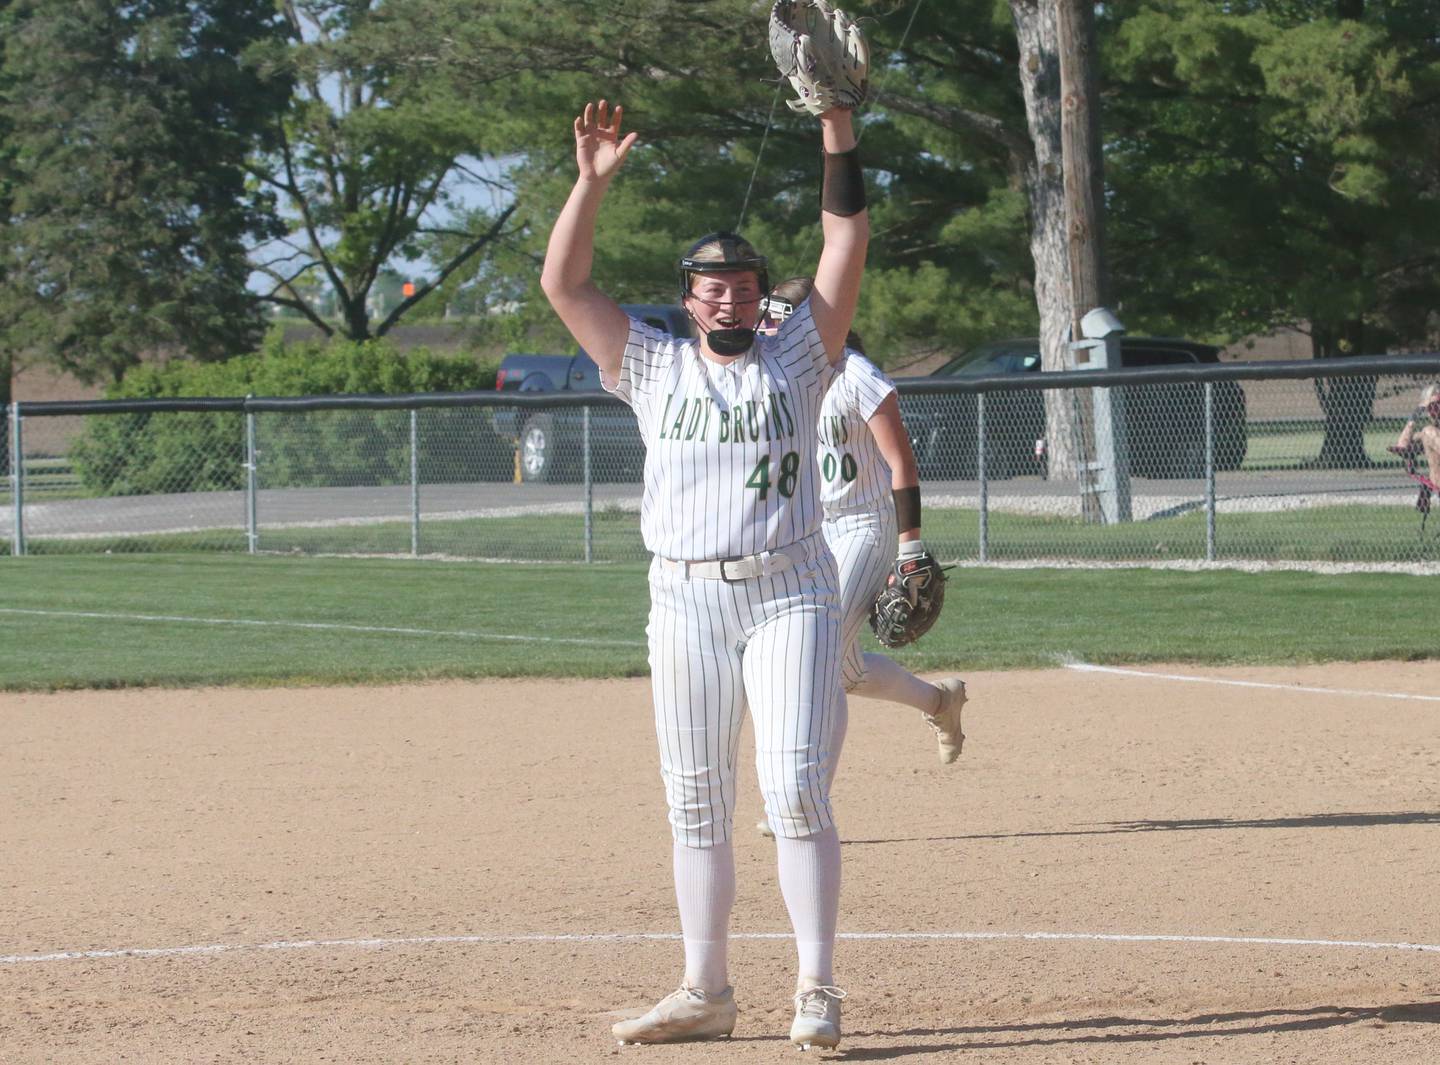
537, 449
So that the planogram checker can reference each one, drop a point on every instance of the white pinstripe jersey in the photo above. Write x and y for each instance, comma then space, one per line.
728, 448
853, 473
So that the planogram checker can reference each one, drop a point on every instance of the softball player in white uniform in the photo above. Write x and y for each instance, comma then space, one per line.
865, 458
865, 462
744, 603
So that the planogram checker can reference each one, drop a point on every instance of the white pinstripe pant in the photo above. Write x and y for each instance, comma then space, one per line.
864, 545
771, 644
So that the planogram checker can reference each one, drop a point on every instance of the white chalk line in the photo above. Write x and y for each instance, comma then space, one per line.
504, 939
1085, 667
323, 626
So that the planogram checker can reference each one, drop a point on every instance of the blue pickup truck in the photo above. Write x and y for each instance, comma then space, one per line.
549, 442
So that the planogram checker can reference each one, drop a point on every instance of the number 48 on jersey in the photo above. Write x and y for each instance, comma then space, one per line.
759, 478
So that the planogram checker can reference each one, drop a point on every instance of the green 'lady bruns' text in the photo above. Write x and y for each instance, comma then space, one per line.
753, 421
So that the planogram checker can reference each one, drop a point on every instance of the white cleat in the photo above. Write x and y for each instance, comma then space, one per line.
682, 1016
817, 1018
763, 827
946, 720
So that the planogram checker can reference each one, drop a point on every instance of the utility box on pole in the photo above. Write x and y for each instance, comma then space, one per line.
1105, 478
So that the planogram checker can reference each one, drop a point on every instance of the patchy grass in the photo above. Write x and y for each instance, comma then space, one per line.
190, 620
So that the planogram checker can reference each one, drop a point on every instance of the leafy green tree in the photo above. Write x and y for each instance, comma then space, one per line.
1277, 163
1267, 162
377, 162
129, 125
948, 264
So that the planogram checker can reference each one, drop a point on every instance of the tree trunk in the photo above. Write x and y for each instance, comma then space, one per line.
1347, 402
355, 315
1081, 158
1038, 36
1084, 233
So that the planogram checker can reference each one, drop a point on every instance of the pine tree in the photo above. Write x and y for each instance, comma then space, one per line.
130, 125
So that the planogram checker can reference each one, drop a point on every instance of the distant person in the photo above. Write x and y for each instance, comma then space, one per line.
1422, 431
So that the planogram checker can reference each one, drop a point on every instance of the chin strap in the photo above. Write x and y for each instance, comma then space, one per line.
727, 341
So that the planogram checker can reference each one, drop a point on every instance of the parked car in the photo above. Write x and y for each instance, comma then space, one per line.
1164, 423
550, 442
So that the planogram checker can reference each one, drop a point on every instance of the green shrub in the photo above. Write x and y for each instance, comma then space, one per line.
129, 454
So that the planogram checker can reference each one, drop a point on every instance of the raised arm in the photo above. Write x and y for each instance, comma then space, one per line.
595, 320
845, 226
893, 441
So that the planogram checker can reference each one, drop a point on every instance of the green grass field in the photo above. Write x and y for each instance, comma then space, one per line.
1323, 534
96, 621
1287, 445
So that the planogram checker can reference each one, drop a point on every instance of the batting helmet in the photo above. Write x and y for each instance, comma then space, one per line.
722, 253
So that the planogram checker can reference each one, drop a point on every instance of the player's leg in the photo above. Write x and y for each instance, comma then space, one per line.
837, 743
864, 547
853, 546
791, 670
1430, 441
849, 641
884, 678
847, 569
940, 704
698, 695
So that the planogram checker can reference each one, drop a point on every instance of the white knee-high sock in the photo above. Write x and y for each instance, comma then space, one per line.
810, 882
705, 892
888, 680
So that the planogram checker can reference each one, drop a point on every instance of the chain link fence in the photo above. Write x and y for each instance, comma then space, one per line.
1277, 463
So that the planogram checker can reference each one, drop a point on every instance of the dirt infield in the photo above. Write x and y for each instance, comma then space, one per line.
480, 872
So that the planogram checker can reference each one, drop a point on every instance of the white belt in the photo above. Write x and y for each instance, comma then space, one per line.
764, 564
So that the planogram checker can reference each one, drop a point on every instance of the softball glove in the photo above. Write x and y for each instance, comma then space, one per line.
822, 53
910, 602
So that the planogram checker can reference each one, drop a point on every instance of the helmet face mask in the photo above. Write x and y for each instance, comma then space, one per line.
778, 308
773, 311
785, 299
